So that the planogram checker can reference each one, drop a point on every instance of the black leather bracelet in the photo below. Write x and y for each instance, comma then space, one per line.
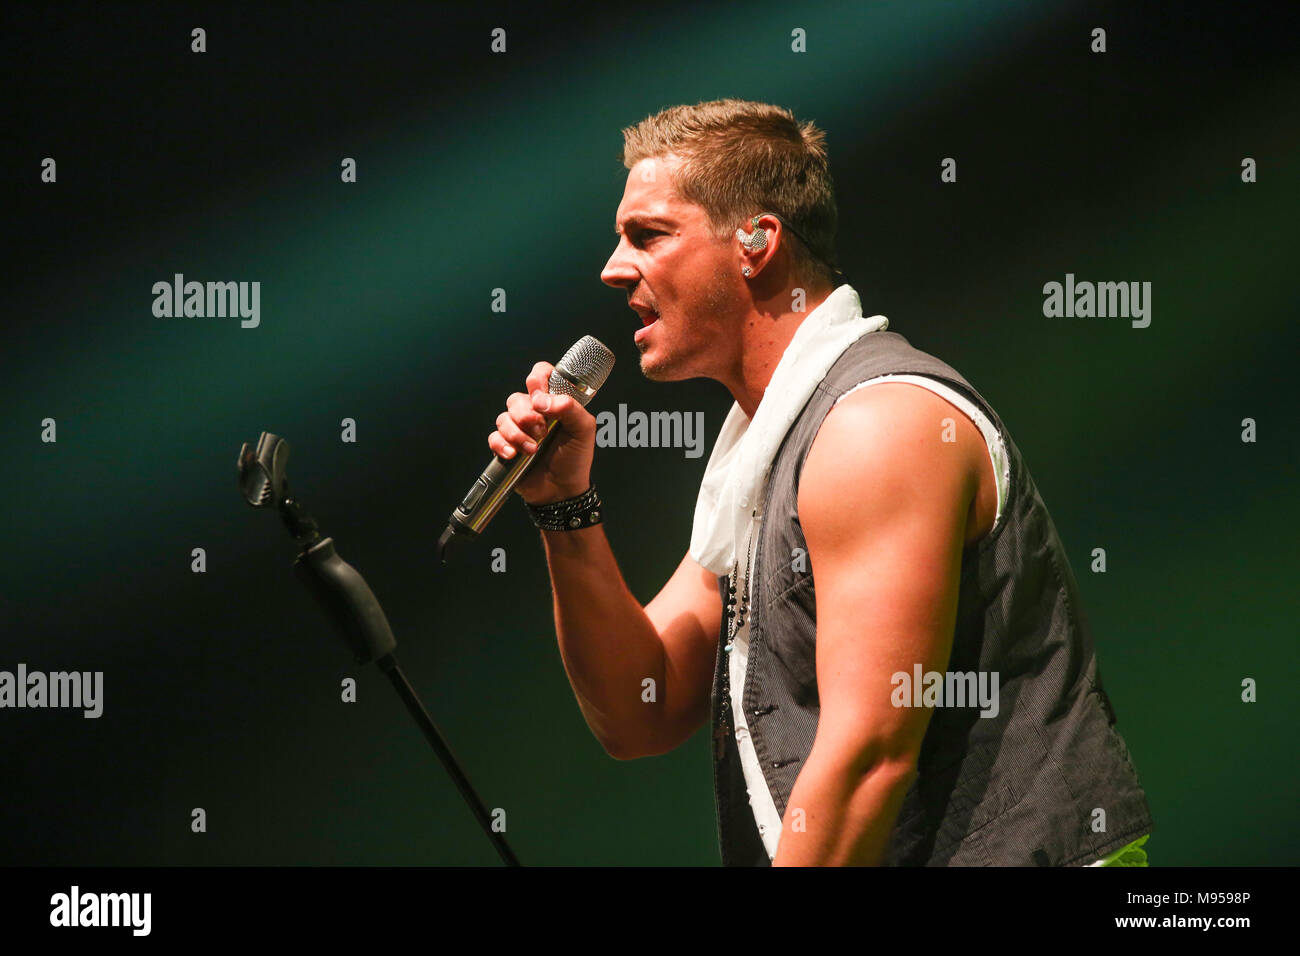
571, 514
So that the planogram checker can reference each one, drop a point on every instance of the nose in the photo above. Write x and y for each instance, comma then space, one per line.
619, 271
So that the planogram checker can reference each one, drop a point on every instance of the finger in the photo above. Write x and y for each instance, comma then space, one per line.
566, 409
500, 447
513, 434
539, 379
525, 416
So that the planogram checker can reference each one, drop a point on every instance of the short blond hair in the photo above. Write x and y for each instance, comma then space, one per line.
741, 158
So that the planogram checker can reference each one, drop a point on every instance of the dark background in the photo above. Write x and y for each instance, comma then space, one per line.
479, 171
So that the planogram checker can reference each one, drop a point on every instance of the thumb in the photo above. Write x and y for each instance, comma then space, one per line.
570, 413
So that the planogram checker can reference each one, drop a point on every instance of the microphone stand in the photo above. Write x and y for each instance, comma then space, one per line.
349, 603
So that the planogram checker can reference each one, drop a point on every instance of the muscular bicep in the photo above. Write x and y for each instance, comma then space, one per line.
883, 502
687, 614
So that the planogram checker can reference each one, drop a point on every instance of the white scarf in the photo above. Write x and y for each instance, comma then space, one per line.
736, 474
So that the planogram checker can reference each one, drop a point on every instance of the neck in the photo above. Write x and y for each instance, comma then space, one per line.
765, 334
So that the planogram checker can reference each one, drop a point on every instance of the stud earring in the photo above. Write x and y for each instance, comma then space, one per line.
746, 271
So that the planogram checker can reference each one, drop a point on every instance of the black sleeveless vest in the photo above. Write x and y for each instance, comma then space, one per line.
1021, 788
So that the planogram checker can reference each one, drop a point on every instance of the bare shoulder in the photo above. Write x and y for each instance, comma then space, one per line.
896, 447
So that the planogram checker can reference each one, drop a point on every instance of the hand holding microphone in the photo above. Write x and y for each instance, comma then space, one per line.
560, 468
552, 421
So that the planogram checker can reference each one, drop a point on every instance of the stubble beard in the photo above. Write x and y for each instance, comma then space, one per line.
715, 302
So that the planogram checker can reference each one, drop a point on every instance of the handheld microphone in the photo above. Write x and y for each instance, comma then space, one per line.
580, 374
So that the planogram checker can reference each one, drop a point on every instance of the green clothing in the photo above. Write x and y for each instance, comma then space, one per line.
1131, 855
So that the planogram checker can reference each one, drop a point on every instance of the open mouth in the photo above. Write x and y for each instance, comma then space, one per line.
648, 318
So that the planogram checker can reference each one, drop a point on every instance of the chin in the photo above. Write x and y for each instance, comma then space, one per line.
662, 362
656, 372
650, 371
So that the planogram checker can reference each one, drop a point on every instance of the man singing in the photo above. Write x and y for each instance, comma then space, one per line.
875, 615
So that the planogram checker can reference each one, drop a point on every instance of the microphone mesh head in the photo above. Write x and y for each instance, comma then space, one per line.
583, 369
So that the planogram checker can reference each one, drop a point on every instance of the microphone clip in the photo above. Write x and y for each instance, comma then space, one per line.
264, 482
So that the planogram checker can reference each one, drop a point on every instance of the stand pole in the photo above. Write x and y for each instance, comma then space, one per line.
348, 602
389, 666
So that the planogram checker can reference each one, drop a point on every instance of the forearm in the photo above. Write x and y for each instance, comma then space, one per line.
608, 644
839, 815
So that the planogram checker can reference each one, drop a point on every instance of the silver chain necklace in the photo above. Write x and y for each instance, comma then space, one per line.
736, 608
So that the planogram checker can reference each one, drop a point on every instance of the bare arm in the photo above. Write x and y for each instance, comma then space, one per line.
641, 676
884, 505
